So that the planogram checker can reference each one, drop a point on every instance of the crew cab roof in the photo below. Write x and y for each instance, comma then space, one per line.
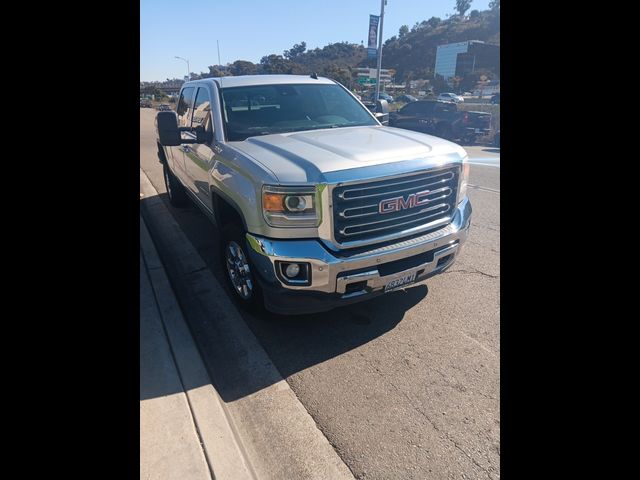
249, 80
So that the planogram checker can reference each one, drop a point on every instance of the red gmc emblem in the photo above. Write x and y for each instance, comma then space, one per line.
399, 203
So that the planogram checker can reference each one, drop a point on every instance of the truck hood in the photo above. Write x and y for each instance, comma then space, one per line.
317, 156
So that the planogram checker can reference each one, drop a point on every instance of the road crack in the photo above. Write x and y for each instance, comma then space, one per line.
474, 271
443, 434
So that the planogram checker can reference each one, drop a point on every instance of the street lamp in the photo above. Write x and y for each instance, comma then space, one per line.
188, 69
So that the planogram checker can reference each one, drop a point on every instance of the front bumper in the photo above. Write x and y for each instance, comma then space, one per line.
343, 277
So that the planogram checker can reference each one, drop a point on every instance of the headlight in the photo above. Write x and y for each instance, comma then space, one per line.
290, 206
464, 179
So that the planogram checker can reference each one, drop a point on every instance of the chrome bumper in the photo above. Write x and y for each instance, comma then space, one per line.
330, 270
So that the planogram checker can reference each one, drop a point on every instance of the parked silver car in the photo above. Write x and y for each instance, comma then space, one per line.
450, 97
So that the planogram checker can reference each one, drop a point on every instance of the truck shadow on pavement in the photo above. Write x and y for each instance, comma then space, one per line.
293, 343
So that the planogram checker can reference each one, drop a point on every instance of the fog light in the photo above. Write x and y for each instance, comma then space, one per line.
292, 270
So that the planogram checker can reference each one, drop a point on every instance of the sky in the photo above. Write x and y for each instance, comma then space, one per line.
251, 29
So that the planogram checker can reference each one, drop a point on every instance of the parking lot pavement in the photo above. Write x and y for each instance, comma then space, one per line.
405, 386
484, 155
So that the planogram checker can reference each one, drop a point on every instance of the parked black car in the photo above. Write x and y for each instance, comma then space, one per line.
406, 99
442, 119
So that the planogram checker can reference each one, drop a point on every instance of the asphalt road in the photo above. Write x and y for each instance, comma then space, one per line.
405, 386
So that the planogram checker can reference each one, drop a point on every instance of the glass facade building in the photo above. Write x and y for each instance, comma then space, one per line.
459, 59
447, 58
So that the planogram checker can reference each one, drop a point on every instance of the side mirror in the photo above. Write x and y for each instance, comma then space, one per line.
382, 106
167, 129
382, 112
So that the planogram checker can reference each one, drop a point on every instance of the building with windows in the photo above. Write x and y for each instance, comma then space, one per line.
367, 76
459, 59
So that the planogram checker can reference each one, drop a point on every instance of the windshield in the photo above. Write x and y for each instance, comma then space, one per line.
267, 109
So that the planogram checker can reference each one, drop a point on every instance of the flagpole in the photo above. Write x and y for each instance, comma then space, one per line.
382, 2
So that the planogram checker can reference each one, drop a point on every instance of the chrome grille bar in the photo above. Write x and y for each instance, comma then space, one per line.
436, 207
357, 207
343, 195
344, 213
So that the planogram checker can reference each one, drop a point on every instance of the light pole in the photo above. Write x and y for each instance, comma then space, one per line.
382, 4
188, 69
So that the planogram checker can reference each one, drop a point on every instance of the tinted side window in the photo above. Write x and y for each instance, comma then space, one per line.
202, 110
426, 107
185, 105
409, 109
446, 108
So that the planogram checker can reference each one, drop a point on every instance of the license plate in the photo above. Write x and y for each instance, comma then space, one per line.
400, 282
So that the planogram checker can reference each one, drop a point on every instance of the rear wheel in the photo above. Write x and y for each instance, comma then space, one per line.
175, 190
469, 139
238, 268
444, 130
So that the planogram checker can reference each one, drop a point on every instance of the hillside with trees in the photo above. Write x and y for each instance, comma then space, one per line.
411, 53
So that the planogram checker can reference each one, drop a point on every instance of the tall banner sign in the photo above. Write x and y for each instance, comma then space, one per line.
373, 35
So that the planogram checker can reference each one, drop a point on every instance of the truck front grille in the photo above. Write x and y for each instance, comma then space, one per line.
357, 208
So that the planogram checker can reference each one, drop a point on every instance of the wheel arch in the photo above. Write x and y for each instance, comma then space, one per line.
225, 210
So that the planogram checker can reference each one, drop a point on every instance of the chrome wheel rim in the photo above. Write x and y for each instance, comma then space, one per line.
238, 271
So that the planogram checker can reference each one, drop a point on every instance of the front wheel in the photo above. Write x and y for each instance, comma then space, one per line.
444, 131
238, 268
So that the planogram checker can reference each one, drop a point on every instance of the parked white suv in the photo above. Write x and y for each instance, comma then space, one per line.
450, 97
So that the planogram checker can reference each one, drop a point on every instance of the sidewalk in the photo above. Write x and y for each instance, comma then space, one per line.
169, 445
182, 421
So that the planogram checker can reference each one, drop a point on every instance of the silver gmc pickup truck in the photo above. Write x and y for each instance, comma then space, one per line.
319, 203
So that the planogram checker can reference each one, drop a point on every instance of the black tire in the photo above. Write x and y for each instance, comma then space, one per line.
444, 130
177, 196
246, 291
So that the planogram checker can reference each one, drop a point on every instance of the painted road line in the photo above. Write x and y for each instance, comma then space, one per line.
486, 189
476, 162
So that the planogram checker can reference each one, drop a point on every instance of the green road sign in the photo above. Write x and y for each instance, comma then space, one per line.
366, 81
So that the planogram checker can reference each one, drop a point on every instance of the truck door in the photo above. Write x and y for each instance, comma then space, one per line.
185, 112
199, 158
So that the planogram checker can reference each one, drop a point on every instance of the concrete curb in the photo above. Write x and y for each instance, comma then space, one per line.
279, 436
222, 450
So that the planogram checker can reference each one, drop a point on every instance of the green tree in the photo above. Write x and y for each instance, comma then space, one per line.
295, 51
434, 21
403, 31
474, 14
275, 64
462, 6
455, 82
439, 85
216, 71
339, 74
243, 67
494, 5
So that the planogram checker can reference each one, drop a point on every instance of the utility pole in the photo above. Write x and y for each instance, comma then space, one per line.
382, 4
218, 42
